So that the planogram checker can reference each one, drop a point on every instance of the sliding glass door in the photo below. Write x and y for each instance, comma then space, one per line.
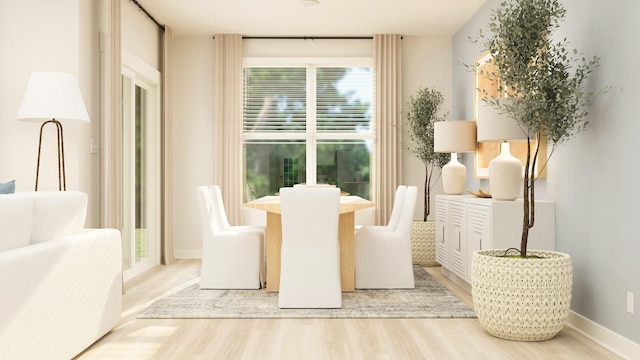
140, 163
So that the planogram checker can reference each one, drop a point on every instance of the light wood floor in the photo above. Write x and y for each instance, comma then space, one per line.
312, 338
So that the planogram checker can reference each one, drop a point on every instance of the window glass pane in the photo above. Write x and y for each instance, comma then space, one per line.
345, 163
344, 99
140, 173
127, 104
274, 99
272, 164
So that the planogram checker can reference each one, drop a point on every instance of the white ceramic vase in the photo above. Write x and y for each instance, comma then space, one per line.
454, 176
505, 175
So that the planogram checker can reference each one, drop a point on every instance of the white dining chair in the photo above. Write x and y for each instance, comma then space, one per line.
224, 221
221, 218
313, 185
395, 213
383, 254
233, 257
310, 253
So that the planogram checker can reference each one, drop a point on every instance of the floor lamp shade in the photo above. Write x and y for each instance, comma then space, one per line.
454, 136
52, 95
505, 170
53, 98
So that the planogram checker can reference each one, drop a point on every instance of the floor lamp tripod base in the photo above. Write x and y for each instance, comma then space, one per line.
62, 181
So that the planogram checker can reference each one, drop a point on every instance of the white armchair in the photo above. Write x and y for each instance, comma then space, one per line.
310, 254
383, 254
233, 257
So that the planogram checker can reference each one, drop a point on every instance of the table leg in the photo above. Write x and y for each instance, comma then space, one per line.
274, 243
345, 238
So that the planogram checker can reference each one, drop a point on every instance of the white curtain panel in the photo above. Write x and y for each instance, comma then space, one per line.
228, 122
167, 122
112, 126
388, 157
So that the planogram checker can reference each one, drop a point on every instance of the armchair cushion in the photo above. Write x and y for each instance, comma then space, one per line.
15, 221
56, 214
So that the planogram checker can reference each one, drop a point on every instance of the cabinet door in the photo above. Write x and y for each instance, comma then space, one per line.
442, 232
458, 238
479, 231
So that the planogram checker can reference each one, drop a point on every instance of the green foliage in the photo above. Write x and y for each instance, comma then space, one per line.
421, 115
546, 81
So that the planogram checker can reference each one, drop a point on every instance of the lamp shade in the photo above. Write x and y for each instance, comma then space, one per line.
52, 95
495, 125
454, 136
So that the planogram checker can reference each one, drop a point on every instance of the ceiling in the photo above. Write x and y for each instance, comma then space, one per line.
327, 18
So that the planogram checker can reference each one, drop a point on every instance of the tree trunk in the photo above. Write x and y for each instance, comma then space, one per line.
427, 191
529, 195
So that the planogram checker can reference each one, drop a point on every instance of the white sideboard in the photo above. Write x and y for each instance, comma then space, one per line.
465, 224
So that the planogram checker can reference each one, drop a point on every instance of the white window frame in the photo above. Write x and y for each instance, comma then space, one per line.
311, 137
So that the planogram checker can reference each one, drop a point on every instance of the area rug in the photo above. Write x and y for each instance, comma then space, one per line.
429, 299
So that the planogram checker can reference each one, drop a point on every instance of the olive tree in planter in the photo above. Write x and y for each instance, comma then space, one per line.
422, 113
522, 294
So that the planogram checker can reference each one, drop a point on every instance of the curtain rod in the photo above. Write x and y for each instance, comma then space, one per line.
147, 13
307, 37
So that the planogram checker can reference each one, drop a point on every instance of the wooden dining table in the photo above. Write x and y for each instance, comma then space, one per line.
346, 223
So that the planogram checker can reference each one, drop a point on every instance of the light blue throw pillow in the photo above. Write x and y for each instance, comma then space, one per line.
8, 187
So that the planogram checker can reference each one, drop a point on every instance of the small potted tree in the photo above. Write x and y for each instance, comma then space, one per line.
423, 108
523, 294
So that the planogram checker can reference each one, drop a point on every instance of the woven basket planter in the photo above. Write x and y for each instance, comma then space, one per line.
423, 243
521, 299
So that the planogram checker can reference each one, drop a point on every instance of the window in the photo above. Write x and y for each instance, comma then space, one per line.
307, 123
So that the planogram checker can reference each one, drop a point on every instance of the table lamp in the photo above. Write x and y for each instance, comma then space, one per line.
505, 170
53, 98
454, 136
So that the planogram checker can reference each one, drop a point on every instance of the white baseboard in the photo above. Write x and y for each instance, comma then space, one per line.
603, 336
456, 279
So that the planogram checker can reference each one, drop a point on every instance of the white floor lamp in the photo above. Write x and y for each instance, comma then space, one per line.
53, 98
454, 136
505, 170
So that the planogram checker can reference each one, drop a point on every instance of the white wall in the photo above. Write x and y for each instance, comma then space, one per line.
36, 35
62, 35
91, 24
426, 62
592, 178
192, 137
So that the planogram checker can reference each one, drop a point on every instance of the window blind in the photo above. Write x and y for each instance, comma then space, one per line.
343, 99
274, 99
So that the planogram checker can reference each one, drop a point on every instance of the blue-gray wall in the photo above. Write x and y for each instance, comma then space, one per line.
592, 178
